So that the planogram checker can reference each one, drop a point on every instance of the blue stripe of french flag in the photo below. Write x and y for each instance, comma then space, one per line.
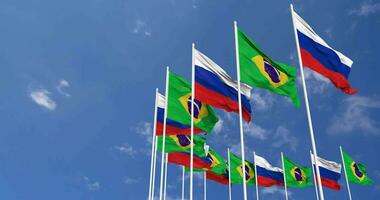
216, 88
330, 172
266, 174
317, 55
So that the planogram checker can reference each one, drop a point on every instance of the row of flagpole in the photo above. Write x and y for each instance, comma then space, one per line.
153, 159
162, 191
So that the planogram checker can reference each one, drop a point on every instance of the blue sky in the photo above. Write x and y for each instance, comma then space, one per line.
77, 84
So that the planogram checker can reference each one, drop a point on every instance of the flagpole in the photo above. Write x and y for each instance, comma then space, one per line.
229, 175
192, 120
256, 180
240, 112
153, 144
314, 179
345, 173
284, 173
314, 148
164, 131
183, 182
154, 166
204, 186
166, 174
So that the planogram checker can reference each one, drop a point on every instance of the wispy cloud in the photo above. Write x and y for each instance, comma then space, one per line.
274, 190
61, 86
256, 131
262, 100
42, 98
140, 27
218, 126
283, 137
366, 8
126, 149
356, 115
146, 130
229, 116
236, 149
130, 180
91, 185
316, 83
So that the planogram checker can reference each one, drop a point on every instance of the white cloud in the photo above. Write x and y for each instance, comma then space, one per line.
60, 87
283, 137
256, 131
126, 149
130, 180
315, 82
236, 149
356, 115
274, 190
41, 97
218, 126
146, 130
141, 27
91, 185
262, 100
365, 9
229, 116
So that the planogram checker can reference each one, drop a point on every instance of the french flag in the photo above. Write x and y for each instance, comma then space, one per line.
317, 55
216, 88
172, 127
330, 172
266, 174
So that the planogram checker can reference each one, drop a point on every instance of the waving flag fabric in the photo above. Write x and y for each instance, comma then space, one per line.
172, 127
179, 105
183, 159
267, 175
317, 55
330, 172
237, 171
258, 70
356, 172
182, 143
219, 178
216, 88
217, 164
296, 176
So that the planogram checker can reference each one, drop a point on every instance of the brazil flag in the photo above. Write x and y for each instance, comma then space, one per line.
258, 70
217, 164
179, 105
295, 175
237, 171
355, 172
182, 143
